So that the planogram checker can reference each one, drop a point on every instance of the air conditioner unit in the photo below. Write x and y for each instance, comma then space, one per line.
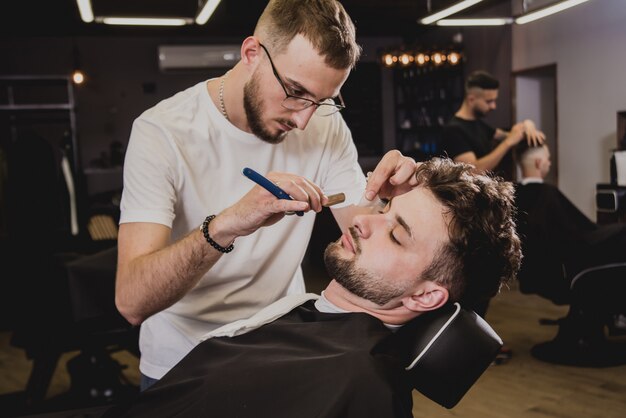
188, 57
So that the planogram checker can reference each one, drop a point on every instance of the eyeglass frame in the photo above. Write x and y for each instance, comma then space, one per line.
339, 106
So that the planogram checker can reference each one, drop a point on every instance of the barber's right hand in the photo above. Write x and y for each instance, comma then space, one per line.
259, 208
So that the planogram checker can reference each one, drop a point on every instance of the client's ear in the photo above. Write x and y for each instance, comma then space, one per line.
427, 297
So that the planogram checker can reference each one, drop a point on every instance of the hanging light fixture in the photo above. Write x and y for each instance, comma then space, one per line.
547, 11
455, 8
85, 10
204, 13
493, 21
439, 17
143, 21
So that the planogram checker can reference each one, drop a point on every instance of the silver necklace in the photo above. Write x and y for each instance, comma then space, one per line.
221, 96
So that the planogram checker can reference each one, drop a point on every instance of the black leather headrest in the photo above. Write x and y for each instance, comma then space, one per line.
447, 350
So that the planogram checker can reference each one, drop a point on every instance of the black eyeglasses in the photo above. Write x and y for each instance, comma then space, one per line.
326, 107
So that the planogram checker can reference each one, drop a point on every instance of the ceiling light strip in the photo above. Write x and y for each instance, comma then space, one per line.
529, 17
85, 10
449, 11
143, 21
206, 11
496, 21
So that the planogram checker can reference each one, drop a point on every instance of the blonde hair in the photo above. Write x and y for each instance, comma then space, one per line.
324, 23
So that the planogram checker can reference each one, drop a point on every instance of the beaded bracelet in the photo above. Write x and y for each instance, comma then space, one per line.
205, 231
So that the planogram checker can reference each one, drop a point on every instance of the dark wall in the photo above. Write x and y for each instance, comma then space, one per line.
490, 49
122, 80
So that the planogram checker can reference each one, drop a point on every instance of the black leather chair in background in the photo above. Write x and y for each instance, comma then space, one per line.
584, 337
45, 256
569, 260
80, 316
595, 295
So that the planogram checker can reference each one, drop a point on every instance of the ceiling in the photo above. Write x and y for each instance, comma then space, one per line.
232, 18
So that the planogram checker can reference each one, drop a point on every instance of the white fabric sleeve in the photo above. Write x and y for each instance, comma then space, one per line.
343, 173
150, 175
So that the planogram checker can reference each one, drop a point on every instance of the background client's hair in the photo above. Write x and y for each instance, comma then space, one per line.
523, 149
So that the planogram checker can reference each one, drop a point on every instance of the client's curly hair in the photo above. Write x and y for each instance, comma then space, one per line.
484, 250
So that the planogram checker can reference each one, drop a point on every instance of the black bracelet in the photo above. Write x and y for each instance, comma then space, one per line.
205, 231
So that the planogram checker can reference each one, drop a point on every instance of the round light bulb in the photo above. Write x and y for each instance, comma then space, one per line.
78, 77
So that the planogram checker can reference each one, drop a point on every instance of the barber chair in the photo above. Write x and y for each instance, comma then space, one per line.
446, 351
580, 265
596, 295
84, 290
46, 209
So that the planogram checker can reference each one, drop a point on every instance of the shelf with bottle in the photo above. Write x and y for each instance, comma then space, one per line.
425, 98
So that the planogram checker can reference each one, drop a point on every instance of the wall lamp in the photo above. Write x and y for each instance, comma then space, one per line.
421, 58
78, 77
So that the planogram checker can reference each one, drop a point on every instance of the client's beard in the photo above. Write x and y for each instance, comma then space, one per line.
358, 281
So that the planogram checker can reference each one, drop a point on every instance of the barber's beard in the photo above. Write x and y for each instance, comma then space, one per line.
478, 114
358, 281
253, 106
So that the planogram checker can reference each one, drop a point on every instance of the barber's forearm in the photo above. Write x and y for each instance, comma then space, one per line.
500, 134
491, 160
152, 282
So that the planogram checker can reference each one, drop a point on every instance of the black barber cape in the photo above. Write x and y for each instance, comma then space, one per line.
555, 235
304, 364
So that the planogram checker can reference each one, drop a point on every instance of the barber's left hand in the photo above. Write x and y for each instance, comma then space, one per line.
393, 176
533, 135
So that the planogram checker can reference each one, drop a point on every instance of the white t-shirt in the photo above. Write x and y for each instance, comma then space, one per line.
184, 161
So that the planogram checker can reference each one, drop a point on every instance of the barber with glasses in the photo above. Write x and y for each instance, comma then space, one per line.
199, 244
